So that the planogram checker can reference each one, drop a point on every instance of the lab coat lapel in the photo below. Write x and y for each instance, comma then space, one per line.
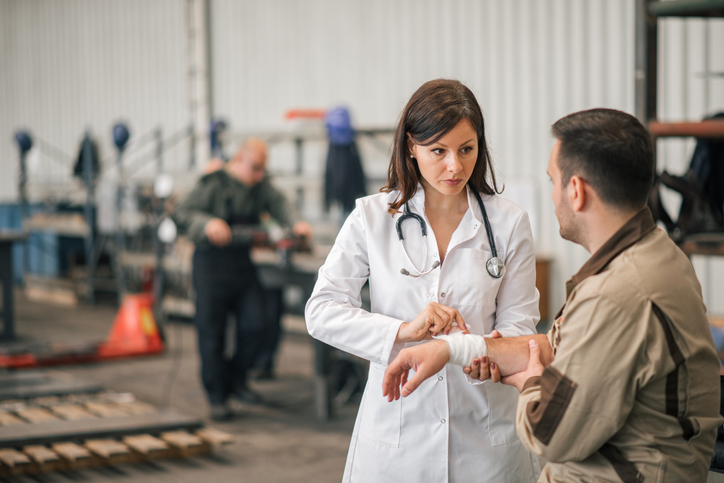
470, 223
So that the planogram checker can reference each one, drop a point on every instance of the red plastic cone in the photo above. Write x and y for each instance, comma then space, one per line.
134, 331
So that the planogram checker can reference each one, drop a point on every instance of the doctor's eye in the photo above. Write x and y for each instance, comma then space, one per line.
438, 151
467, 150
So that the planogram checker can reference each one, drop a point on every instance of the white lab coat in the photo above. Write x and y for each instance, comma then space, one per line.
448, 429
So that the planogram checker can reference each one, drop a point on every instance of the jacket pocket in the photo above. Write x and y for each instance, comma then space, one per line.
502, 403
379, 419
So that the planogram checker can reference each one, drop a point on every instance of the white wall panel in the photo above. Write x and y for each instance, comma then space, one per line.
72, 64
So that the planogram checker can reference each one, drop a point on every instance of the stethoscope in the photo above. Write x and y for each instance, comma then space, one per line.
494, 265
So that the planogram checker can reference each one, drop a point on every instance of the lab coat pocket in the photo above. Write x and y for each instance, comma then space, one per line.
379, 419
502, 401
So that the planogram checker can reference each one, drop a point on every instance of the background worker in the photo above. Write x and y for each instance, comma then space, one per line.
632, 393
224, 278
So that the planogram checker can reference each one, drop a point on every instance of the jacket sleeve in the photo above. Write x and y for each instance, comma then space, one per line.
584, 397
517, 310
194, 212
333, 312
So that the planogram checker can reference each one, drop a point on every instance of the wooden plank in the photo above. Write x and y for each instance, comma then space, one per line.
8, 419
61, 430
215, 437
137, 407
709, 129
186, 444
148, 446
37, 415
74, 456
105, 409
72, 412
16, 462
43, 458
110, 451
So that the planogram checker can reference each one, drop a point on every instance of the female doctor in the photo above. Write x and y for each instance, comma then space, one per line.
434, 260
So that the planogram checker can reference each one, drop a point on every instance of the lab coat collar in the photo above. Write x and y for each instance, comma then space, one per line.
417, 203
469, 225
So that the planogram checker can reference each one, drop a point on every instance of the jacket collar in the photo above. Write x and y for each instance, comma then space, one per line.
629, 234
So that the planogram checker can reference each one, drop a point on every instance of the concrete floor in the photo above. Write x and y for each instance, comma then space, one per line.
279, 442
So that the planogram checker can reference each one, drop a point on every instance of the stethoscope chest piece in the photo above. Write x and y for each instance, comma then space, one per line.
495, 267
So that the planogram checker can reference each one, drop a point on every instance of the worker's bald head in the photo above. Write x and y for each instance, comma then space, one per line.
249, 163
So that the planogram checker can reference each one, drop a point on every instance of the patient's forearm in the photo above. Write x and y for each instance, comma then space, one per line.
511, 354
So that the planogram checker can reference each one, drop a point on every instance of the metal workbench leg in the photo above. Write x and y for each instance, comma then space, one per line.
6, 275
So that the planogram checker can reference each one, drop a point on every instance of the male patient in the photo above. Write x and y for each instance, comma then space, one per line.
632, 392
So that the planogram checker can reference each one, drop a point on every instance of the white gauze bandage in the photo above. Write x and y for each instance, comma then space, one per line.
464, 347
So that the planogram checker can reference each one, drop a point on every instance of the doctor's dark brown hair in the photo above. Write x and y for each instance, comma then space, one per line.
611, 151
433, 111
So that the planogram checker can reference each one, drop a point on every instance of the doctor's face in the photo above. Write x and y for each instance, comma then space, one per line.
446, 164
564, 213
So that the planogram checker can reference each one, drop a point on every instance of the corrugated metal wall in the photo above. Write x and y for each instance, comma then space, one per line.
73, 65
68, 64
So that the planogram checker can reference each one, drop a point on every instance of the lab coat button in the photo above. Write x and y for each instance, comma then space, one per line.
442, 421
434, 255
439, 378
442, 294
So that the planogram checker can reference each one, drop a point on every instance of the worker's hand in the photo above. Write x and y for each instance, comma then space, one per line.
482, 368
218, 232
434, 319
302, 228
535, 368
425, 359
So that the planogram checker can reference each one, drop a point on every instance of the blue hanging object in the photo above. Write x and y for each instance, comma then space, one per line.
339, 126
120, 135
25, 142
217, 127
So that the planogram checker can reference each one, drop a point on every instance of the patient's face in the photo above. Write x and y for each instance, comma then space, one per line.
564, 213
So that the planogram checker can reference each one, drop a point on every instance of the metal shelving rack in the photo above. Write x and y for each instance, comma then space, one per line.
648, 13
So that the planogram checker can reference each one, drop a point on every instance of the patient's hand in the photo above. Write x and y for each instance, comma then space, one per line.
425, 359
535, 368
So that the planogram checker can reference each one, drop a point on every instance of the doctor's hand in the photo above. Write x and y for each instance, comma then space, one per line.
535, 368
433, 320
482, 368
218, 232
425, 359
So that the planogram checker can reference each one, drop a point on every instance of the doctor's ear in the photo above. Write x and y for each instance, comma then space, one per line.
410, 147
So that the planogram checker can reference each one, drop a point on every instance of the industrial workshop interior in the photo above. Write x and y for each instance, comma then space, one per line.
361, 240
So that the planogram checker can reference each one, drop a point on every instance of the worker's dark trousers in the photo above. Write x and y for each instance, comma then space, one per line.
225, 281
272, 330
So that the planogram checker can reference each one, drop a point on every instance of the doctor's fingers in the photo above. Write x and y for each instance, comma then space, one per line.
450, 316
438, 321
495, 372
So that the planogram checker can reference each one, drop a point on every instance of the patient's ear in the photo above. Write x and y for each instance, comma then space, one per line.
577, 192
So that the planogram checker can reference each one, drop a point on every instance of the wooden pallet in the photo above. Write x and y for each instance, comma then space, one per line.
70, 431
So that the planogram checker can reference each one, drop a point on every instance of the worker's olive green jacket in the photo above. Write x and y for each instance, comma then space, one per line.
219, 195
633, 392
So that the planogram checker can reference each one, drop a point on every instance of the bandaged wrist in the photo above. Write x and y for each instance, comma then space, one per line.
464, 347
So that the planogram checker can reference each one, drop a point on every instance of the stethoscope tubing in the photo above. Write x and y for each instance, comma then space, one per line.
494, 265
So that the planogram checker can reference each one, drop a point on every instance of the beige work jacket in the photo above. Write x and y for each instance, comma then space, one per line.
633, 392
